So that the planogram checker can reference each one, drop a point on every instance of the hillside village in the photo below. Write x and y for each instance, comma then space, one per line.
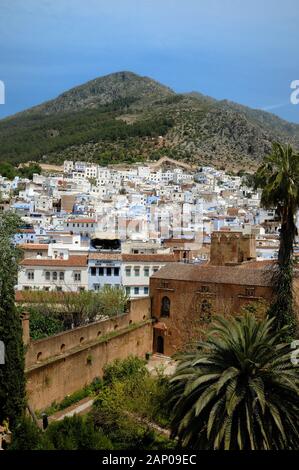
179, 244
93, 226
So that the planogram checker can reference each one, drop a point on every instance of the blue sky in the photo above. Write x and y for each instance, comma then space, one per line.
243, 51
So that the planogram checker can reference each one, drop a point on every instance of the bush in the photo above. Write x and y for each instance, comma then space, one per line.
43, 325
129, 400
77, 433
27, 436
123, 369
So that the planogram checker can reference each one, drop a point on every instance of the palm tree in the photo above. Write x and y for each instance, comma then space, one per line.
238, 391
278, 176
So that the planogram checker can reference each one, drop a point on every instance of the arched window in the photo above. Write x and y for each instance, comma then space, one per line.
165, 307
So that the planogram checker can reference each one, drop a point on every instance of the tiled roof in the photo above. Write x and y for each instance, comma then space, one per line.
34, 246
81, 221
156, 257
76, 260
238, 275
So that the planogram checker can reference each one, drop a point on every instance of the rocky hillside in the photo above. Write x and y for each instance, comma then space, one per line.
123, 117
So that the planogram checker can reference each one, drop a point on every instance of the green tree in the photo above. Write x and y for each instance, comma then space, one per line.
43, 325
238, 391
7, 170
27, 171
12, 377
27, 436
278, 176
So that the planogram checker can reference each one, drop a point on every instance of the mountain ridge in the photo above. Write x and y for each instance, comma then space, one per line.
127, 117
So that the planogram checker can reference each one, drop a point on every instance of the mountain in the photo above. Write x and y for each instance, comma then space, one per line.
124, 118
104, 91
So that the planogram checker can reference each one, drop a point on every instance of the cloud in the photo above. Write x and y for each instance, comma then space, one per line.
274, 106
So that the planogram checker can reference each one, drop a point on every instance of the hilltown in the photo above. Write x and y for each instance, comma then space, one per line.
182, 242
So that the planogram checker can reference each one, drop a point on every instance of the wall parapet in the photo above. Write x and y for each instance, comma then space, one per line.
65, 342
60, 365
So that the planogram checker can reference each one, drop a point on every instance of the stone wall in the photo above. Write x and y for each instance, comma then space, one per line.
60, 365
191, 309
231, 248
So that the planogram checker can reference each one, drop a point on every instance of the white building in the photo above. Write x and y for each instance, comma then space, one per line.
137, 269
68, 274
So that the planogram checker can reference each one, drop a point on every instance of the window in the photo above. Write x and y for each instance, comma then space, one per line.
165, 307
58, 289
155, 269
77, 276
137, 271
30, 275
47, 275
204, 289
164, 284
128, 290
116, 271
205, 311
39, 253
136, 290
145, 290
61, 276
81, 289
128, 272
249, 291
93, 271
54, 276
46, 289
109, 271
146, 272
101, 271
96, 286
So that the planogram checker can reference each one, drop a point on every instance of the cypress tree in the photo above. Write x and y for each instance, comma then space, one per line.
12, 376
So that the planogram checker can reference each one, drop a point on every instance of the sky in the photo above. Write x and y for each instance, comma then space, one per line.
243, 51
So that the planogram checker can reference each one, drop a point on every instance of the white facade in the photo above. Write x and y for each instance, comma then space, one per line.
53, 275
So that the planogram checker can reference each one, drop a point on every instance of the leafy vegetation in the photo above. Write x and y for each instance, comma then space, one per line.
128, 399
29, 138
76, 433
26, 171
238, 391
12, 376
53, 312
278, 177
42, 326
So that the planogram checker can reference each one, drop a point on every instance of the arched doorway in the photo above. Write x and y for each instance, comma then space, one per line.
160, 344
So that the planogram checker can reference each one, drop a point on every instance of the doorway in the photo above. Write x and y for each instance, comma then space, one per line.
160, 344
